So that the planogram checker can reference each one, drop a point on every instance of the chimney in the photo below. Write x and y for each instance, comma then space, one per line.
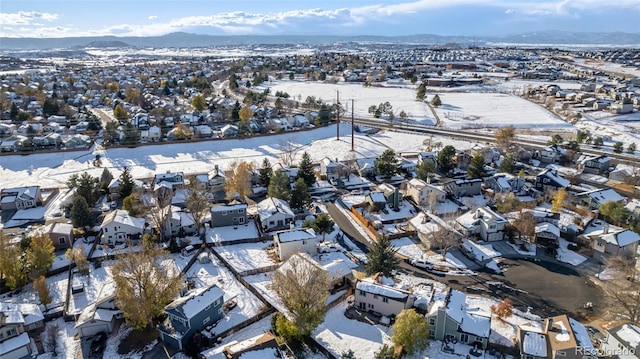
605, 230
478, 213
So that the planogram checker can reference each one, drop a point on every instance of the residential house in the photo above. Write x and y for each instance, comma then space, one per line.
422, 193
228, 215
376, 201
428, 157
621, 107
114, 187
483, 223
61, 235
101, 315
77, 141
595, 165
505, 182
217, 181
597, 197
547, 234
463, 160
550, 179
332, 170
13, 143
179, 223
274, 213
392, 195
118, 226
455, 320
298, 240
170, 180
229, 131
20, 198
16, 320
190, 314
464, 187
634, 207
552, 154
559, 337
380, 295
366, 167
623, 340
614, 241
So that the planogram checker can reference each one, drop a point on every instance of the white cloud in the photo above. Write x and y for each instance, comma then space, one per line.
152, 17
25, 17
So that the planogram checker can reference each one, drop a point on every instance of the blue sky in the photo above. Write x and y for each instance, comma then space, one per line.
63, 18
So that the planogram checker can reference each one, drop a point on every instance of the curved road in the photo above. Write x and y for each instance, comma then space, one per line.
550, 288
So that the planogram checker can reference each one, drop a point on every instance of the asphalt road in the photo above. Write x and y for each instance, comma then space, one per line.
549, 287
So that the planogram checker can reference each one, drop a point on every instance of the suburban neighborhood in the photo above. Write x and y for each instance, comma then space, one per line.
273, 206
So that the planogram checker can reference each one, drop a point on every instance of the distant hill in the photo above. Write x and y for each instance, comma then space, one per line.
181, 39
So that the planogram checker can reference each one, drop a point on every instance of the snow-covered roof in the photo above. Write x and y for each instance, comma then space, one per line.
370, 286
61, 228
470, 320
534, 344
298, 234
195, 302
12, 344
582, 336
22, 192
628, 334
123, 217
622, 238
377, 197
270, 206
337, 269
547, 227
604, 195
228, 207
485, 214
553, 175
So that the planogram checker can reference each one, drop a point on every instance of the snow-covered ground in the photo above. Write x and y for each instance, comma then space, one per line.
401, 98
481, 251
493, 110
247, 256
568, 256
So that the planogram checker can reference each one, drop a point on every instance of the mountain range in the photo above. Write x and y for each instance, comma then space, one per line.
181, 39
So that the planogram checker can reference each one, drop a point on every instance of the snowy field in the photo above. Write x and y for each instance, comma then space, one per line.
402, 99
491, 110
247, 256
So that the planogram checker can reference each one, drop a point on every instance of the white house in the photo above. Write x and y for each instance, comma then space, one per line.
274, 213
118, 226
101, 315
482, 222
299, 240
623, 340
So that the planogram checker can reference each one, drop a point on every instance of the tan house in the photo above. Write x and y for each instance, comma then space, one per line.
559, 337
299, 240
422, 193
61, 235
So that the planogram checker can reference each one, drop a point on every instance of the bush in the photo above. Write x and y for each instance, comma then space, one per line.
287, 330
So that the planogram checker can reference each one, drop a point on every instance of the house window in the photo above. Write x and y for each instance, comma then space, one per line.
207, 307
224, 213
363, 293
12, 332
241, 220
375, 296
464, 338
385, 300
304, 241
432, 322
106, 230
62, 240
217, 302
241, 210
206, 320
370, 306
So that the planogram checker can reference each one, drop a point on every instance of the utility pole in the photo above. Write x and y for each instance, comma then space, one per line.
352, 121
338, 115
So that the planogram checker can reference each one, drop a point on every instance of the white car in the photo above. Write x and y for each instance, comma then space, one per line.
326, 247
421, 263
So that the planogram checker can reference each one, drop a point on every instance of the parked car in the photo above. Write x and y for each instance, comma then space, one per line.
98, 343
421, 263
326, 247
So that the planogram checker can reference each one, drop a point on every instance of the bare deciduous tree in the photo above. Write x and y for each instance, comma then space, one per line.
444, 239
287, 150
623, 290
197, 204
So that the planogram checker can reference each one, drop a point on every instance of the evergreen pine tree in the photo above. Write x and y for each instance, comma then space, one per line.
476, 168
279, 186
382, 257
305, 171
126, 183
300, 197
266, 171
80, 212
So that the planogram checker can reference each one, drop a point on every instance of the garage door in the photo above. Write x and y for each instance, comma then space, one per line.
91, 329
17, 354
